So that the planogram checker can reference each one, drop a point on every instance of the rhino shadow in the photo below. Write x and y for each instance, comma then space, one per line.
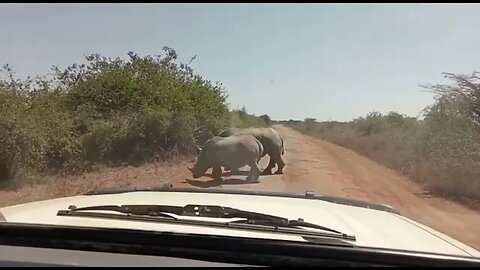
229, 173
216, 183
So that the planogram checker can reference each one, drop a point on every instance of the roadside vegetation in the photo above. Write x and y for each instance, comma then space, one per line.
440, 150
110, 112
146, 108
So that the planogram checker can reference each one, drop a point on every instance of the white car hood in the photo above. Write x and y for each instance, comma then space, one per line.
372, 228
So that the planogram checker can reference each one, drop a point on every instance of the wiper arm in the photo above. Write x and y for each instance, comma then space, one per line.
212, 211
255, 218
290, 224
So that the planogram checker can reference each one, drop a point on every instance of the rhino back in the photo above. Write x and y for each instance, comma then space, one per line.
235, 151
269, 137
230, 132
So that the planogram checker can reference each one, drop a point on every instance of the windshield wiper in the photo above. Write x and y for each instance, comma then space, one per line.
288, 223
212, 211
148, 210
254, 219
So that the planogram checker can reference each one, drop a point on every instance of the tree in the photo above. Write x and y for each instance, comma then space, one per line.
465, 92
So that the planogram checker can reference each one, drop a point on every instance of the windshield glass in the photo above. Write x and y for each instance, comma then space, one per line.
378, 103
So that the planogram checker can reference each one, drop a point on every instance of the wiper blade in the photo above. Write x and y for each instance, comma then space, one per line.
211, 211
148, 210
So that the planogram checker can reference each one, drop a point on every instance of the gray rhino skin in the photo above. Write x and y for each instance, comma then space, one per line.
271, 140
231, 152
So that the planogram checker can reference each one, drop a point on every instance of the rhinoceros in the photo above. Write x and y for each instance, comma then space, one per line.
231, 152
271, 140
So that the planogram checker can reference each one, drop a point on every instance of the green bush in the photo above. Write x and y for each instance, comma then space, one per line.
241, 119
110, 111
35, 128
452, 137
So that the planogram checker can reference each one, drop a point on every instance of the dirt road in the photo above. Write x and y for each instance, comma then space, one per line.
314, 164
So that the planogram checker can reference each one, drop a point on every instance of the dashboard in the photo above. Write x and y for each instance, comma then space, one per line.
48, 245
18, 256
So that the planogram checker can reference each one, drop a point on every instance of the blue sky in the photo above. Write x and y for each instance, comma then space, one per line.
330, 62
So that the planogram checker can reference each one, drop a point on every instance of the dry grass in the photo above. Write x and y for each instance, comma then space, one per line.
444, 162
55, 186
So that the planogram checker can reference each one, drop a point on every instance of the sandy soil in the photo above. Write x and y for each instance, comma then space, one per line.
312, 164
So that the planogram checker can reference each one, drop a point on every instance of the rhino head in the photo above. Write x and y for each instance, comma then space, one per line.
197, 172
199, 168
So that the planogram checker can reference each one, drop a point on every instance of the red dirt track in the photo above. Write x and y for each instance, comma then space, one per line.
314, 164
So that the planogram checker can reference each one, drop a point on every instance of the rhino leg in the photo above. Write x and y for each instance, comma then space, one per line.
232, 171
217, 173
254, 172
280, 163
268, 169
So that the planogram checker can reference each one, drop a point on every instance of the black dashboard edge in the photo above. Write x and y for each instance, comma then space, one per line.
229, 249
